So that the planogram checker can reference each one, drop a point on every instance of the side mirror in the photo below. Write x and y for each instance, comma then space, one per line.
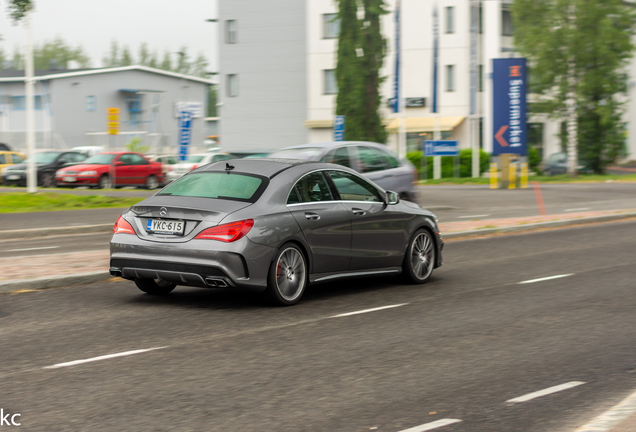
392, 198
119, 163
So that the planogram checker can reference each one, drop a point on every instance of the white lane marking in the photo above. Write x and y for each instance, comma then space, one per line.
547, 391
473, 216
613, 417
432, 425
546, 278
578, 209
104, 357
368, 310
30, 249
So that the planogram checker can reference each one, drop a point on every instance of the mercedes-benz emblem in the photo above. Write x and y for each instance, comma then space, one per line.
163, 211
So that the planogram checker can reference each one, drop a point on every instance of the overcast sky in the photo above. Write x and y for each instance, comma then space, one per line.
162, 24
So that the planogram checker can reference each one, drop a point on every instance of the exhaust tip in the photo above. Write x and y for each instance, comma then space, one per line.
216, 282
115, 272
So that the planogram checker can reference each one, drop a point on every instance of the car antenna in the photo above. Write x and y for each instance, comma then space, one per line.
228, 167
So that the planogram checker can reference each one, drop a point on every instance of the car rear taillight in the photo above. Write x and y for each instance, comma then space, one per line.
123, 227
227, 233
194, 167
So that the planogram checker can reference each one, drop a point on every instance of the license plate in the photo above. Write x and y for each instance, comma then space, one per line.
13, 177
69, 179
159, 226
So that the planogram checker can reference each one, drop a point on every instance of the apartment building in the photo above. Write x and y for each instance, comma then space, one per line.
278, 62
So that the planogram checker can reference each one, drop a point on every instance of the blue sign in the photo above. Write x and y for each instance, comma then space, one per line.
339, 128
510, 131
396, 78
441, 148
185, 133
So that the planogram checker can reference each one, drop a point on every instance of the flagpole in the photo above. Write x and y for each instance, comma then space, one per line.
398, 100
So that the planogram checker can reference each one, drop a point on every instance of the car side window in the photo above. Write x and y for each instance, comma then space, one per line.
313, 187
353, 188
16, 159
339, 156
369, 160
79, 157
139, 160
387, 158
2, 162
293, 197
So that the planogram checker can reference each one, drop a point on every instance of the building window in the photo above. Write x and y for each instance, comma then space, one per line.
330, 25
18, 103
450, 78
232, 85
231, 31
450, 19
331, 85
480, 78
506, 23
90, 103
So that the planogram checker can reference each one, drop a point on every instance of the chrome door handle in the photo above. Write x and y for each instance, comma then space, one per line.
312, 216
358, 212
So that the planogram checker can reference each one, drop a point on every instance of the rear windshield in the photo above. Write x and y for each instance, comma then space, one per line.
305, 153
45, 157
100, 159
219, 185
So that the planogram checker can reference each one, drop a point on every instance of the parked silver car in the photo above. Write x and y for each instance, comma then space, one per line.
375, 161
272, 225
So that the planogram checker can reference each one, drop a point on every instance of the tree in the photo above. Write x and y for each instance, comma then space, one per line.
112, 58
126, 57
578, 52
361, 50
348, 71
59, 52
18, 8
374, 50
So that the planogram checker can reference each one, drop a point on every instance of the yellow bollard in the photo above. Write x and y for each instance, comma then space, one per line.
493, 176
524, 175
512, 181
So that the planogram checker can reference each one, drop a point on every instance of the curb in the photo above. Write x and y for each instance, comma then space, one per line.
45, 232
54, 281
532, 226
619, 418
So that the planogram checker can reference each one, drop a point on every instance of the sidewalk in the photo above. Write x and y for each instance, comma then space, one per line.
87, 267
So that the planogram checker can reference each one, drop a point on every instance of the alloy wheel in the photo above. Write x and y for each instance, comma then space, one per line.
290, 274
422, 255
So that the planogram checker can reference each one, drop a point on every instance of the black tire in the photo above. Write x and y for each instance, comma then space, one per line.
420, 256
155, 286
151, 182
104, 182
288, 276
48, 180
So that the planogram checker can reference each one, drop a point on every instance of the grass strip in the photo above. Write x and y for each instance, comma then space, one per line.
564, 178
22, 202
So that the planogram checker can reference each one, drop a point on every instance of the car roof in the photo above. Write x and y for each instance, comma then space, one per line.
334, 144
267, 167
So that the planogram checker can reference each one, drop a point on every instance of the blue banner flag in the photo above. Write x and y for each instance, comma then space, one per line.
396, 81
185, 133
510, 131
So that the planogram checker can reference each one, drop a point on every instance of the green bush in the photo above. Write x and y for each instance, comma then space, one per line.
534, 160
448, 163
134, 145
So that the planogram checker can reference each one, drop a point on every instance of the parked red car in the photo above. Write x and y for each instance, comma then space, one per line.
112, 169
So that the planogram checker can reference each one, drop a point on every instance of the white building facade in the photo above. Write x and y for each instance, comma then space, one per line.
303, 52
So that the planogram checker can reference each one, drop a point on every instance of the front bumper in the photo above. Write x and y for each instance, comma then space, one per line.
198, 263
78, 181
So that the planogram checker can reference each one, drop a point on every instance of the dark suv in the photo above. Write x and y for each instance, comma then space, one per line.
47, 163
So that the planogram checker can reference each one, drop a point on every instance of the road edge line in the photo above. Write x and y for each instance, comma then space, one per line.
612, 417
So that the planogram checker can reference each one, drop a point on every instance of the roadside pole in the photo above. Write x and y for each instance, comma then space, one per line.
437, 160
32, 180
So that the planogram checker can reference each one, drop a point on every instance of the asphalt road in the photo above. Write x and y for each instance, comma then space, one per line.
458, 348
449, 203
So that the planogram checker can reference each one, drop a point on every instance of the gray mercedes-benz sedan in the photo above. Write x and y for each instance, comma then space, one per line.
273, 226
